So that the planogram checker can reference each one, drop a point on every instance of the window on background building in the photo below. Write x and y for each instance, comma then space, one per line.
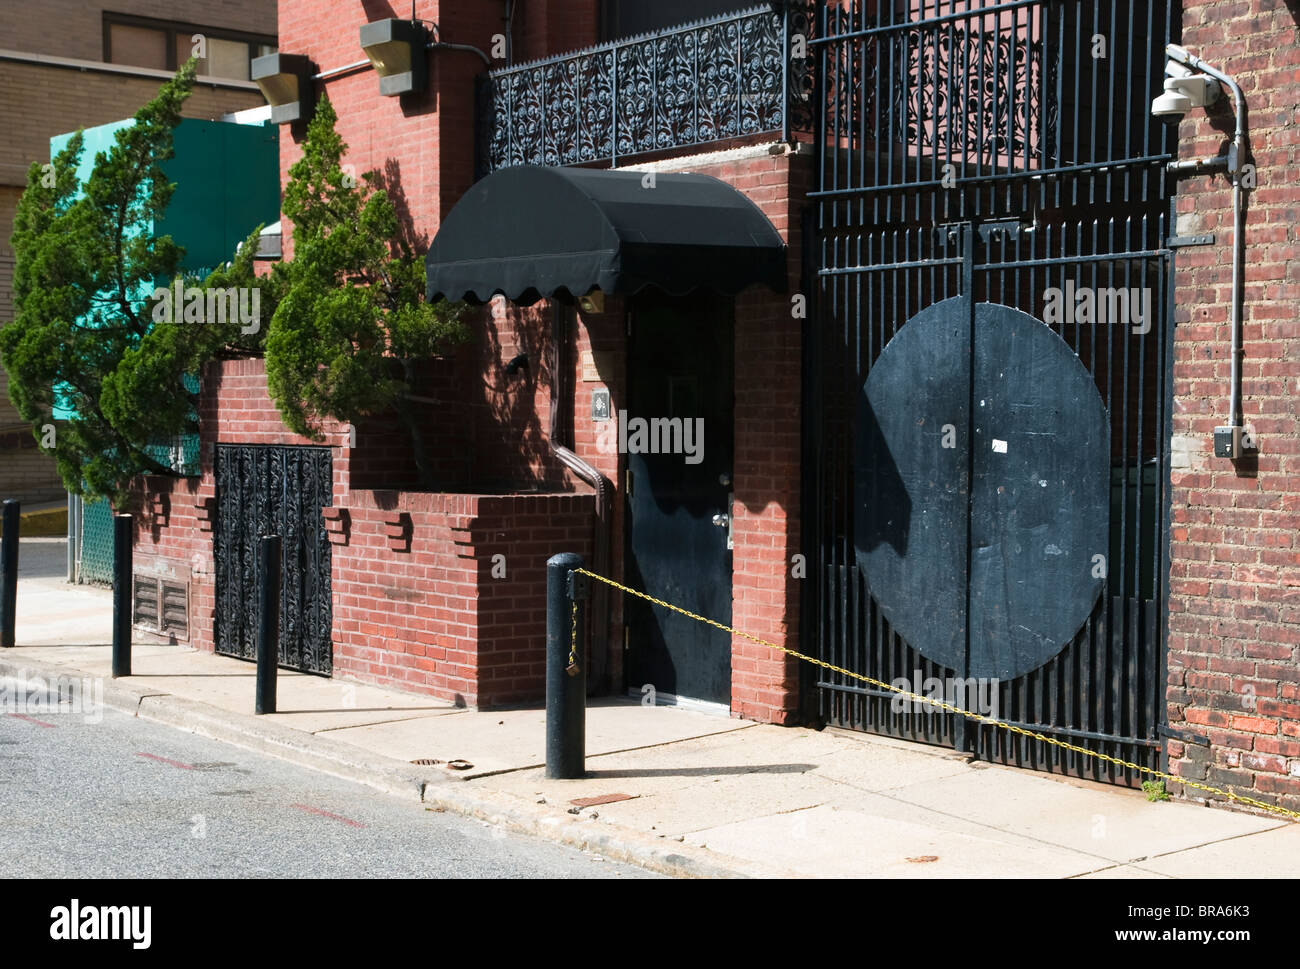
624, 18
138, 46
165, 45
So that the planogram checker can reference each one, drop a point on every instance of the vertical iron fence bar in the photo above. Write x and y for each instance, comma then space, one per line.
819, 325
654, 89
1032, 129
613, 120
895, 129
785, 71
1013, 46
695, 75
544, 117
1144, 181
1076, 148
1056, 45
510, 118
1110, 91
1092, 115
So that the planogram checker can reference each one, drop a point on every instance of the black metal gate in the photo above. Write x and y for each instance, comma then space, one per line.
274, 491
1002, 153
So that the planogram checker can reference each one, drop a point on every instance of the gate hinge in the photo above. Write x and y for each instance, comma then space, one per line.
1199, 740
579, 587
1178, 242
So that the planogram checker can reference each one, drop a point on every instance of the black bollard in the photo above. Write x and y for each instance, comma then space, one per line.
122, 595
566, 681
268, 627
9, 575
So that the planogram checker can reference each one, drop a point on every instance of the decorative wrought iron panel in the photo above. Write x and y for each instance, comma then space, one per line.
980, 149
274, 491
707, 81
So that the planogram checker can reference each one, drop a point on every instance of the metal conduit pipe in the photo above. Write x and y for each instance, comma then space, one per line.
1233, 162
432, 45
335, 71
599, 624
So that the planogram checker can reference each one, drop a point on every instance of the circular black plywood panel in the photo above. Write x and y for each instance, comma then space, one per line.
982, 489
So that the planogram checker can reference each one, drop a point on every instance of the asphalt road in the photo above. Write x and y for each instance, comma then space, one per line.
127, 798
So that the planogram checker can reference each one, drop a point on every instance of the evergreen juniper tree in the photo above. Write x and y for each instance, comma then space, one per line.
84, 335
352, 324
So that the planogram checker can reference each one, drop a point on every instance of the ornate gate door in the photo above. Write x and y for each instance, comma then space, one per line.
274, 491
988, 384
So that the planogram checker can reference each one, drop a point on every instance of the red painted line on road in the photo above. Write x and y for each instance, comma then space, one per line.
165, 760
328, 814
39, 723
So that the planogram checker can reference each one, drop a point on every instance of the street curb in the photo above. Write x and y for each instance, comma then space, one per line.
194, 716
394, 777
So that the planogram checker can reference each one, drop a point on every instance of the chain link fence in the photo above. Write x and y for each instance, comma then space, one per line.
94, 538
95, 543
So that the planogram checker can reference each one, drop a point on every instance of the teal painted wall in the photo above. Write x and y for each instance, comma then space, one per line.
227, 179
227, 183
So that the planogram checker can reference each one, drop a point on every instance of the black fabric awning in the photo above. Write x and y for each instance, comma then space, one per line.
530, 232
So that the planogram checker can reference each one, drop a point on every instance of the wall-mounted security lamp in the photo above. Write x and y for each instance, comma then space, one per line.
593, 302
398, 51
1183, 91
286, 82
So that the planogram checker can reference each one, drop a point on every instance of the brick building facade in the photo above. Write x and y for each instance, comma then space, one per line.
415, 600
1234, 592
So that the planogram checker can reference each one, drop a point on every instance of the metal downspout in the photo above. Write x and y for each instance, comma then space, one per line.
600, 540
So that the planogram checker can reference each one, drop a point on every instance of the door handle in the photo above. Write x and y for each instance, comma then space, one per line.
725, 519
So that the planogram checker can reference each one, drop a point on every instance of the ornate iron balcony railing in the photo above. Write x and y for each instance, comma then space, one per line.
707, 81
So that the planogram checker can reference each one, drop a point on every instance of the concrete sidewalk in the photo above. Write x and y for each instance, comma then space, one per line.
680, 791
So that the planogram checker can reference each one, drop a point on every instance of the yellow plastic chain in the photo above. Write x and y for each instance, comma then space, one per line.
1012, 728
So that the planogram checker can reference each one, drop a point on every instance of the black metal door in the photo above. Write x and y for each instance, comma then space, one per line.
982, 486
274, 491
981, 164
680, 370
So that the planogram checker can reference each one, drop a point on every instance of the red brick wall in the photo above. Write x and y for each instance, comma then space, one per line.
431, 611
489, 426
547, 27
769, 361
605, 337
510, 413
1234, 607
416, 602
423, 145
